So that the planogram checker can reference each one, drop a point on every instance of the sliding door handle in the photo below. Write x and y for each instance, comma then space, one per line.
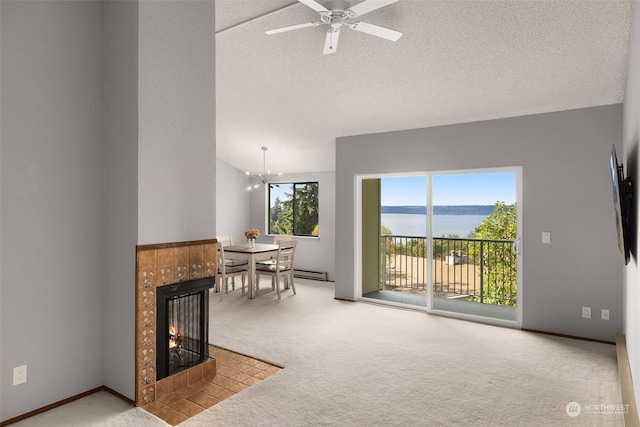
516, 247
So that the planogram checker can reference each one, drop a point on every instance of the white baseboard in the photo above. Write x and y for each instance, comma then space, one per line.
626, 385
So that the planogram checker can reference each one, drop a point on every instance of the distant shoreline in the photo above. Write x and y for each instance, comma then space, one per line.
439, 210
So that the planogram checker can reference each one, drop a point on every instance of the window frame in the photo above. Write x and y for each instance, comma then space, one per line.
293, 186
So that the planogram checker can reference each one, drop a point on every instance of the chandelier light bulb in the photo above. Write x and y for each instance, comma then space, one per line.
265, 176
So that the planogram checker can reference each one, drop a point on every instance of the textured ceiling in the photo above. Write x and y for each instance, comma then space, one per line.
458, 61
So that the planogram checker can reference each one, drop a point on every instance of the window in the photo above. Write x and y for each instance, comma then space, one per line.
293, 209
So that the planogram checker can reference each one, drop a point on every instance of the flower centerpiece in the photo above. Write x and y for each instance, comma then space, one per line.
251, 236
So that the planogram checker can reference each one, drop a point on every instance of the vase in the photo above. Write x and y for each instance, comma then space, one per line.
252, 243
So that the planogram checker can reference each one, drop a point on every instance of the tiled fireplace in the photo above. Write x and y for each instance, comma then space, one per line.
170, 266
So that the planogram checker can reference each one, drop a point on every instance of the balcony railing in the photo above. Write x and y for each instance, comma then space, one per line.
474, 269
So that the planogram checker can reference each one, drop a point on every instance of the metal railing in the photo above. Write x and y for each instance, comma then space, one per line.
475, 269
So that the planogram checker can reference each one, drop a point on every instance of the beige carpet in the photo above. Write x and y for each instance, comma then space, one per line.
357, 364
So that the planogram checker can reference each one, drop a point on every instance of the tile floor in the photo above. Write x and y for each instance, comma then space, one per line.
235, 372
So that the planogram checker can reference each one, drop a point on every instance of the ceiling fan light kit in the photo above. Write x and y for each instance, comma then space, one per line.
337, 13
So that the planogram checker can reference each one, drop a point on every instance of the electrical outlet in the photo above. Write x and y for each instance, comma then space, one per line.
605, 314
20, 375
586, 312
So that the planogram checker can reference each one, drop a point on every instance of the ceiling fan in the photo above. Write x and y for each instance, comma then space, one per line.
338, 13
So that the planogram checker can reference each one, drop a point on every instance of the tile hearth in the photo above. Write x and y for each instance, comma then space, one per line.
187, 394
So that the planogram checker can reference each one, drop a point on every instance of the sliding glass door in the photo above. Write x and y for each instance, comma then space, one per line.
394, 240
444, 242
475, 242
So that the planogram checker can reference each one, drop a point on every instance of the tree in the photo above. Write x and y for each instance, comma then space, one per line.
500, 224
417, 248
499, 267
386, 250
297, 214
442, 246
385, 230
305, 211
281, 217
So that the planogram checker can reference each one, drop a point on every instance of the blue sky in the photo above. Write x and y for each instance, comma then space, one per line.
457, 189
280, 192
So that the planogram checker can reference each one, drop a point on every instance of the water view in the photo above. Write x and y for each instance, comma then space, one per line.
443, 225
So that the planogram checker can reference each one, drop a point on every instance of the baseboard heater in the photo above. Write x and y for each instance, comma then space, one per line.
314, 275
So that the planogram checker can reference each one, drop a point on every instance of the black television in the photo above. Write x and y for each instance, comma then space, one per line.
622, 202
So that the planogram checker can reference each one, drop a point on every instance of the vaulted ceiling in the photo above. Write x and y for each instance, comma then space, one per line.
457, 61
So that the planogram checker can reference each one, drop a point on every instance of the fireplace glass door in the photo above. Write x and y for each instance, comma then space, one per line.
182, 327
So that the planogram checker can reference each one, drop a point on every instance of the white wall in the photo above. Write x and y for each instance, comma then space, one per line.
176, 139
51, 186
630, 159
566, 190
232, 201
314, 254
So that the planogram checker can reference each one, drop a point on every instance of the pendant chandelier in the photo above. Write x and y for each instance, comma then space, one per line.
264, 177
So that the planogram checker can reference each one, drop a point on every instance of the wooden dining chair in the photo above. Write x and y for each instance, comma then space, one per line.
225, 240
283, 266
281, 238
228, 241
226, 271
269, 262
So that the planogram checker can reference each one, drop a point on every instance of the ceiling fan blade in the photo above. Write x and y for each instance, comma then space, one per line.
331, 41
314, 5
368, 6
293, 27
376, 30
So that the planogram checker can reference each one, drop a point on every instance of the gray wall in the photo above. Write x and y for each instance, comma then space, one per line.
630, 159
232, 201
566, 190
315, 254
121, 193
51, 185
108, 141
176, 139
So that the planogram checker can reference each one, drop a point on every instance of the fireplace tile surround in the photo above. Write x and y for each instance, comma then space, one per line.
160, 265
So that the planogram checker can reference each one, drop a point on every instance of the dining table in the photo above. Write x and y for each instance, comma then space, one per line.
252, 254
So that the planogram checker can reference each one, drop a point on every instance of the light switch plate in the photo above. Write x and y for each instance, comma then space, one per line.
546, 237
